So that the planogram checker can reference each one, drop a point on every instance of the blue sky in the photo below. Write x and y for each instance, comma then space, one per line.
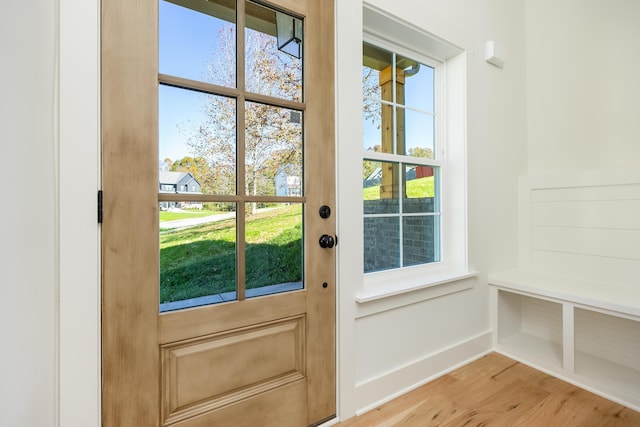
418, 126
187, 42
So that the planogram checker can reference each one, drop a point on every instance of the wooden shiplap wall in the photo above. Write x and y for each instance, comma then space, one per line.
583, 226
611, 338
542, 319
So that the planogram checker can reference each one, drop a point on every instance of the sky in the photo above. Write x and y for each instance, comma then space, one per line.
187, 42
418, 125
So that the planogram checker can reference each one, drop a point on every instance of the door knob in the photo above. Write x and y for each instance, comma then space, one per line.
327, 241
325, 211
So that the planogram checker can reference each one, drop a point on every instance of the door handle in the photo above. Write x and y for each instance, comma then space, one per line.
327, 241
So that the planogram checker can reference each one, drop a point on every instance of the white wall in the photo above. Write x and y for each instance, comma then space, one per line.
49, 276
383, 353
582, 84
28, 217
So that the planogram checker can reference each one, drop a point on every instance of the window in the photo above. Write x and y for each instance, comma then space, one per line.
401, 160
413, 190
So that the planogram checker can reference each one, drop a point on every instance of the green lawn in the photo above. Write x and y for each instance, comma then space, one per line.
171, 216
201, 260
416, 188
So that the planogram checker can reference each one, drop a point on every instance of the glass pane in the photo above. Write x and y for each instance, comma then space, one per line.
197, 254
273, 150
421, 184
372, 125
421, 237
197, 142
274, 251
198, 42
271, 68
419, 83
374, 60
378, 124
380, 187
418, 133
381, 243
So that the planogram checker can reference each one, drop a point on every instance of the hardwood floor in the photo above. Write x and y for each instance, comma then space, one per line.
497, 391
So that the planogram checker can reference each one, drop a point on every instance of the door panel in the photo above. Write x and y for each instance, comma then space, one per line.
211, 372
260, 349
284, 406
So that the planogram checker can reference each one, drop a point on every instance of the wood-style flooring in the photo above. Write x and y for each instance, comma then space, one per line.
497, 391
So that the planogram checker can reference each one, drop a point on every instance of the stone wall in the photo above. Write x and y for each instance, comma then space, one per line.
420, 240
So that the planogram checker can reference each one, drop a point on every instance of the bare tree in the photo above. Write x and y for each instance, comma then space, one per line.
272, 135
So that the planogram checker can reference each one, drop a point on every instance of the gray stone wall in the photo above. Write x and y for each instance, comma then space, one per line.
381, 234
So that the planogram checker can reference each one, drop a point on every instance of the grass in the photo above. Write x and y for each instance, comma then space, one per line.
171, 216
201, 260
416, 188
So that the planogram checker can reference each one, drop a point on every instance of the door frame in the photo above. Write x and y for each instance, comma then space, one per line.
78, 329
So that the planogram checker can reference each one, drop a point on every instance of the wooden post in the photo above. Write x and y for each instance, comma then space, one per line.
389, 186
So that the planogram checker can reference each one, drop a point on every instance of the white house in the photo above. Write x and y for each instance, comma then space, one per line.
564, 103
288, 182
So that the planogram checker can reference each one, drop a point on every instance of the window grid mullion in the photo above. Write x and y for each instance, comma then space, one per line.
404, 215
394, 133
240, 153
400, 210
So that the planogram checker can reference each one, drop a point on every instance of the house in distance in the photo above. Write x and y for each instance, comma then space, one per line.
179, 183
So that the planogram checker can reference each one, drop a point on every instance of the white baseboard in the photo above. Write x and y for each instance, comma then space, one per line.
376, 391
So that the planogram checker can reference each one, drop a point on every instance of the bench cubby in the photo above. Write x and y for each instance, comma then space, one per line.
530, 327
571, 330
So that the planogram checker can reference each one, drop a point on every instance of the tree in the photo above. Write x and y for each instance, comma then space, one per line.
426, 153
165, 165
272, 135
371, 107
369, 166
198, 167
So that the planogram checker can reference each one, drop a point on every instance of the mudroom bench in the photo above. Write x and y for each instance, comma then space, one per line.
583, 332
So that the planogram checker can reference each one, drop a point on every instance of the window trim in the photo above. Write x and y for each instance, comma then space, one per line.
396, 36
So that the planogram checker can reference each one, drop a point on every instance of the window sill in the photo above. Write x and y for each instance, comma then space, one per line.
392, 295
386, 291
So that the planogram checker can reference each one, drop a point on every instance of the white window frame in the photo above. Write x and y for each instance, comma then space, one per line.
439, 138
449, 62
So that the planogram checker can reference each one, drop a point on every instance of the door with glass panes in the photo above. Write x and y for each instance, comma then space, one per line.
218, 258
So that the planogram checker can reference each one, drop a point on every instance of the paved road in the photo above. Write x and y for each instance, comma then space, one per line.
190, 222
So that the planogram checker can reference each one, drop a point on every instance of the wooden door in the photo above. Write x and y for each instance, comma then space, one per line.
227, 319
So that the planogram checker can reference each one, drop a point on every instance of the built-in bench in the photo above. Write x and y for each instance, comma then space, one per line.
585, 333
572, 307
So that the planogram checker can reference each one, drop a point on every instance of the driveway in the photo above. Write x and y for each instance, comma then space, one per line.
190, 222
